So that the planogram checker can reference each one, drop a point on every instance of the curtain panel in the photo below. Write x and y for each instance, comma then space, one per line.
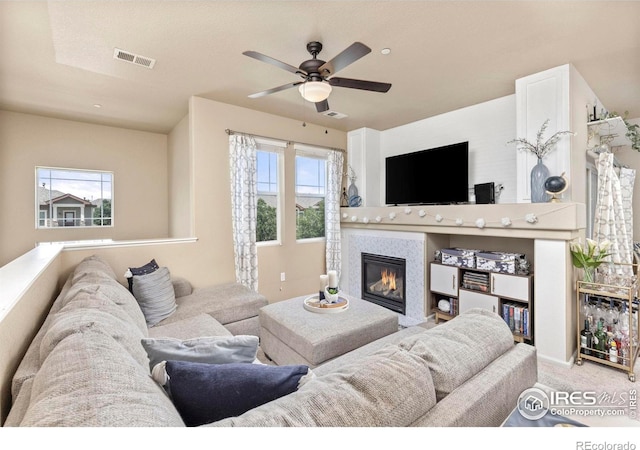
332, 211
614, 212
244, 193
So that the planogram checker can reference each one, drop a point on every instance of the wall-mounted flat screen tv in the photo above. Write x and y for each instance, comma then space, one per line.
434, 176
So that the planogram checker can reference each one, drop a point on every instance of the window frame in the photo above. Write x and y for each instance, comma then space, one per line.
48, 213
310, 152
277, 147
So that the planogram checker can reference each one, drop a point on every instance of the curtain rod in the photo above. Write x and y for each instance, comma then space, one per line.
231, 132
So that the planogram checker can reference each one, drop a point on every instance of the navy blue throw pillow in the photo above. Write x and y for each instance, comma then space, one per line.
204, 393
149, 267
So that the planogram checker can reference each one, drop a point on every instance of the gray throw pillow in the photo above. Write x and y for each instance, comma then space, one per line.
211, 349
155, 295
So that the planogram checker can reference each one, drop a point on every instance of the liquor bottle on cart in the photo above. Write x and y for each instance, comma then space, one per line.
586, 338
600, 341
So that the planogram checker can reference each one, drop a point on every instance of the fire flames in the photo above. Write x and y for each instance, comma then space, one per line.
388, 279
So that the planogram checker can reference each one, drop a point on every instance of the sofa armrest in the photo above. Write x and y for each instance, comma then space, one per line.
488, 398
181, 286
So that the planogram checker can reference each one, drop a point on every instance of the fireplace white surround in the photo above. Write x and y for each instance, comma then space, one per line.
415, 232
405, 245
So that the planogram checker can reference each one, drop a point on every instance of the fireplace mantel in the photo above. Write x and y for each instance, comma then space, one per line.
517, 220
546, 227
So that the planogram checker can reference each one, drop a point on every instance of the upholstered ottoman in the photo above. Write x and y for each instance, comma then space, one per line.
289, 334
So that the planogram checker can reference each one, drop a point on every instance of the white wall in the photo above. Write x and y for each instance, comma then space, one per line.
487, 127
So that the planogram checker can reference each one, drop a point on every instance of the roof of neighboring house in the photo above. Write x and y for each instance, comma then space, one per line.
98, 201
45, 196
304, 202
269, 199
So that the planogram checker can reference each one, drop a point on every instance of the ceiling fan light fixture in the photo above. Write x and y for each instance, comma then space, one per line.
315, 91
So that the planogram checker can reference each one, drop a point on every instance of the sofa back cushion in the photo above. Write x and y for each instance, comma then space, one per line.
390, 388
30, 363
457, 350
93, 269
88, 380
114, 292
95, 313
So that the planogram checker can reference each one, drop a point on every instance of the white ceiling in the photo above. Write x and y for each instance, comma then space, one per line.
56, 57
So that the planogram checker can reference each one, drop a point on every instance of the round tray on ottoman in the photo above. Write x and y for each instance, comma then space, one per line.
313, 304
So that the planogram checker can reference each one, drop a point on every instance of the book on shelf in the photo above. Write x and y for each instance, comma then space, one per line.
475, 281
517, 317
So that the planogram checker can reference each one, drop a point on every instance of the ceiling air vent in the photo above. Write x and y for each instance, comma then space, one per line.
132, 58
334, 114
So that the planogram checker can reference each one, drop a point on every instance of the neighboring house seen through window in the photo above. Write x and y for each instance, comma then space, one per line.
311, 176
73, 198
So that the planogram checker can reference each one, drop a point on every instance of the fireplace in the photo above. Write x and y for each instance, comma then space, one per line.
383, 281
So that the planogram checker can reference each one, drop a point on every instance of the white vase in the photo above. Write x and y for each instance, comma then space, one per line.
329, 297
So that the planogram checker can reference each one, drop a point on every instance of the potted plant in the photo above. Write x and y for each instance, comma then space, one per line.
633, 130
589, 257
540, 172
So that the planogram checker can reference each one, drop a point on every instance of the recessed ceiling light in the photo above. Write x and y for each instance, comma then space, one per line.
97, 105
385, 51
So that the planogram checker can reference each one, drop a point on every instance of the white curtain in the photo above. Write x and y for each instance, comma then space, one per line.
244, 193
614, 212
332, 211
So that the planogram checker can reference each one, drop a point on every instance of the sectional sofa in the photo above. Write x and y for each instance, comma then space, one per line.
87, 366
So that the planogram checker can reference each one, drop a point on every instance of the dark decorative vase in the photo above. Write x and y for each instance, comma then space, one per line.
539, 175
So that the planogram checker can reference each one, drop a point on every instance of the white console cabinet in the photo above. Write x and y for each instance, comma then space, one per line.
509, 296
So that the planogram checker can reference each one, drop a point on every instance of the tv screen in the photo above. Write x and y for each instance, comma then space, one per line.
435, 176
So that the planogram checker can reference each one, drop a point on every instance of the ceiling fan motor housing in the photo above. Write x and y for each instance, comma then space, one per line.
310, 66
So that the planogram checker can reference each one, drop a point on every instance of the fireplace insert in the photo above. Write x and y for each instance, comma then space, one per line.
383, 281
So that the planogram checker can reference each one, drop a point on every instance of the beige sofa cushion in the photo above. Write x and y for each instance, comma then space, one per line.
457, 350
193, 327
226, 303
98, 314
88, 380
112, 291
30, 363
389, 388
92, 269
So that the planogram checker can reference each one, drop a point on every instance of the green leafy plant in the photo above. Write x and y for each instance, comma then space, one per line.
540, 148
633, 129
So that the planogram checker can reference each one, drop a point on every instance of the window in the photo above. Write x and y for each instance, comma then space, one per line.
311, 176
73, 198
268, 164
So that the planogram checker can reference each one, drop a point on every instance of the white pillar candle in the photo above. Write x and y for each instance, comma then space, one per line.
324, 279
333, 278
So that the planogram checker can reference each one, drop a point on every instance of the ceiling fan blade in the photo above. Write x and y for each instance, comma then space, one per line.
359, 84
275, 62
275, 89
351, 54
322, 106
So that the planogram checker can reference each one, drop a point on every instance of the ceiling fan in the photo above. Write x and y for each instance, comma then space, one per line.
318, 74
